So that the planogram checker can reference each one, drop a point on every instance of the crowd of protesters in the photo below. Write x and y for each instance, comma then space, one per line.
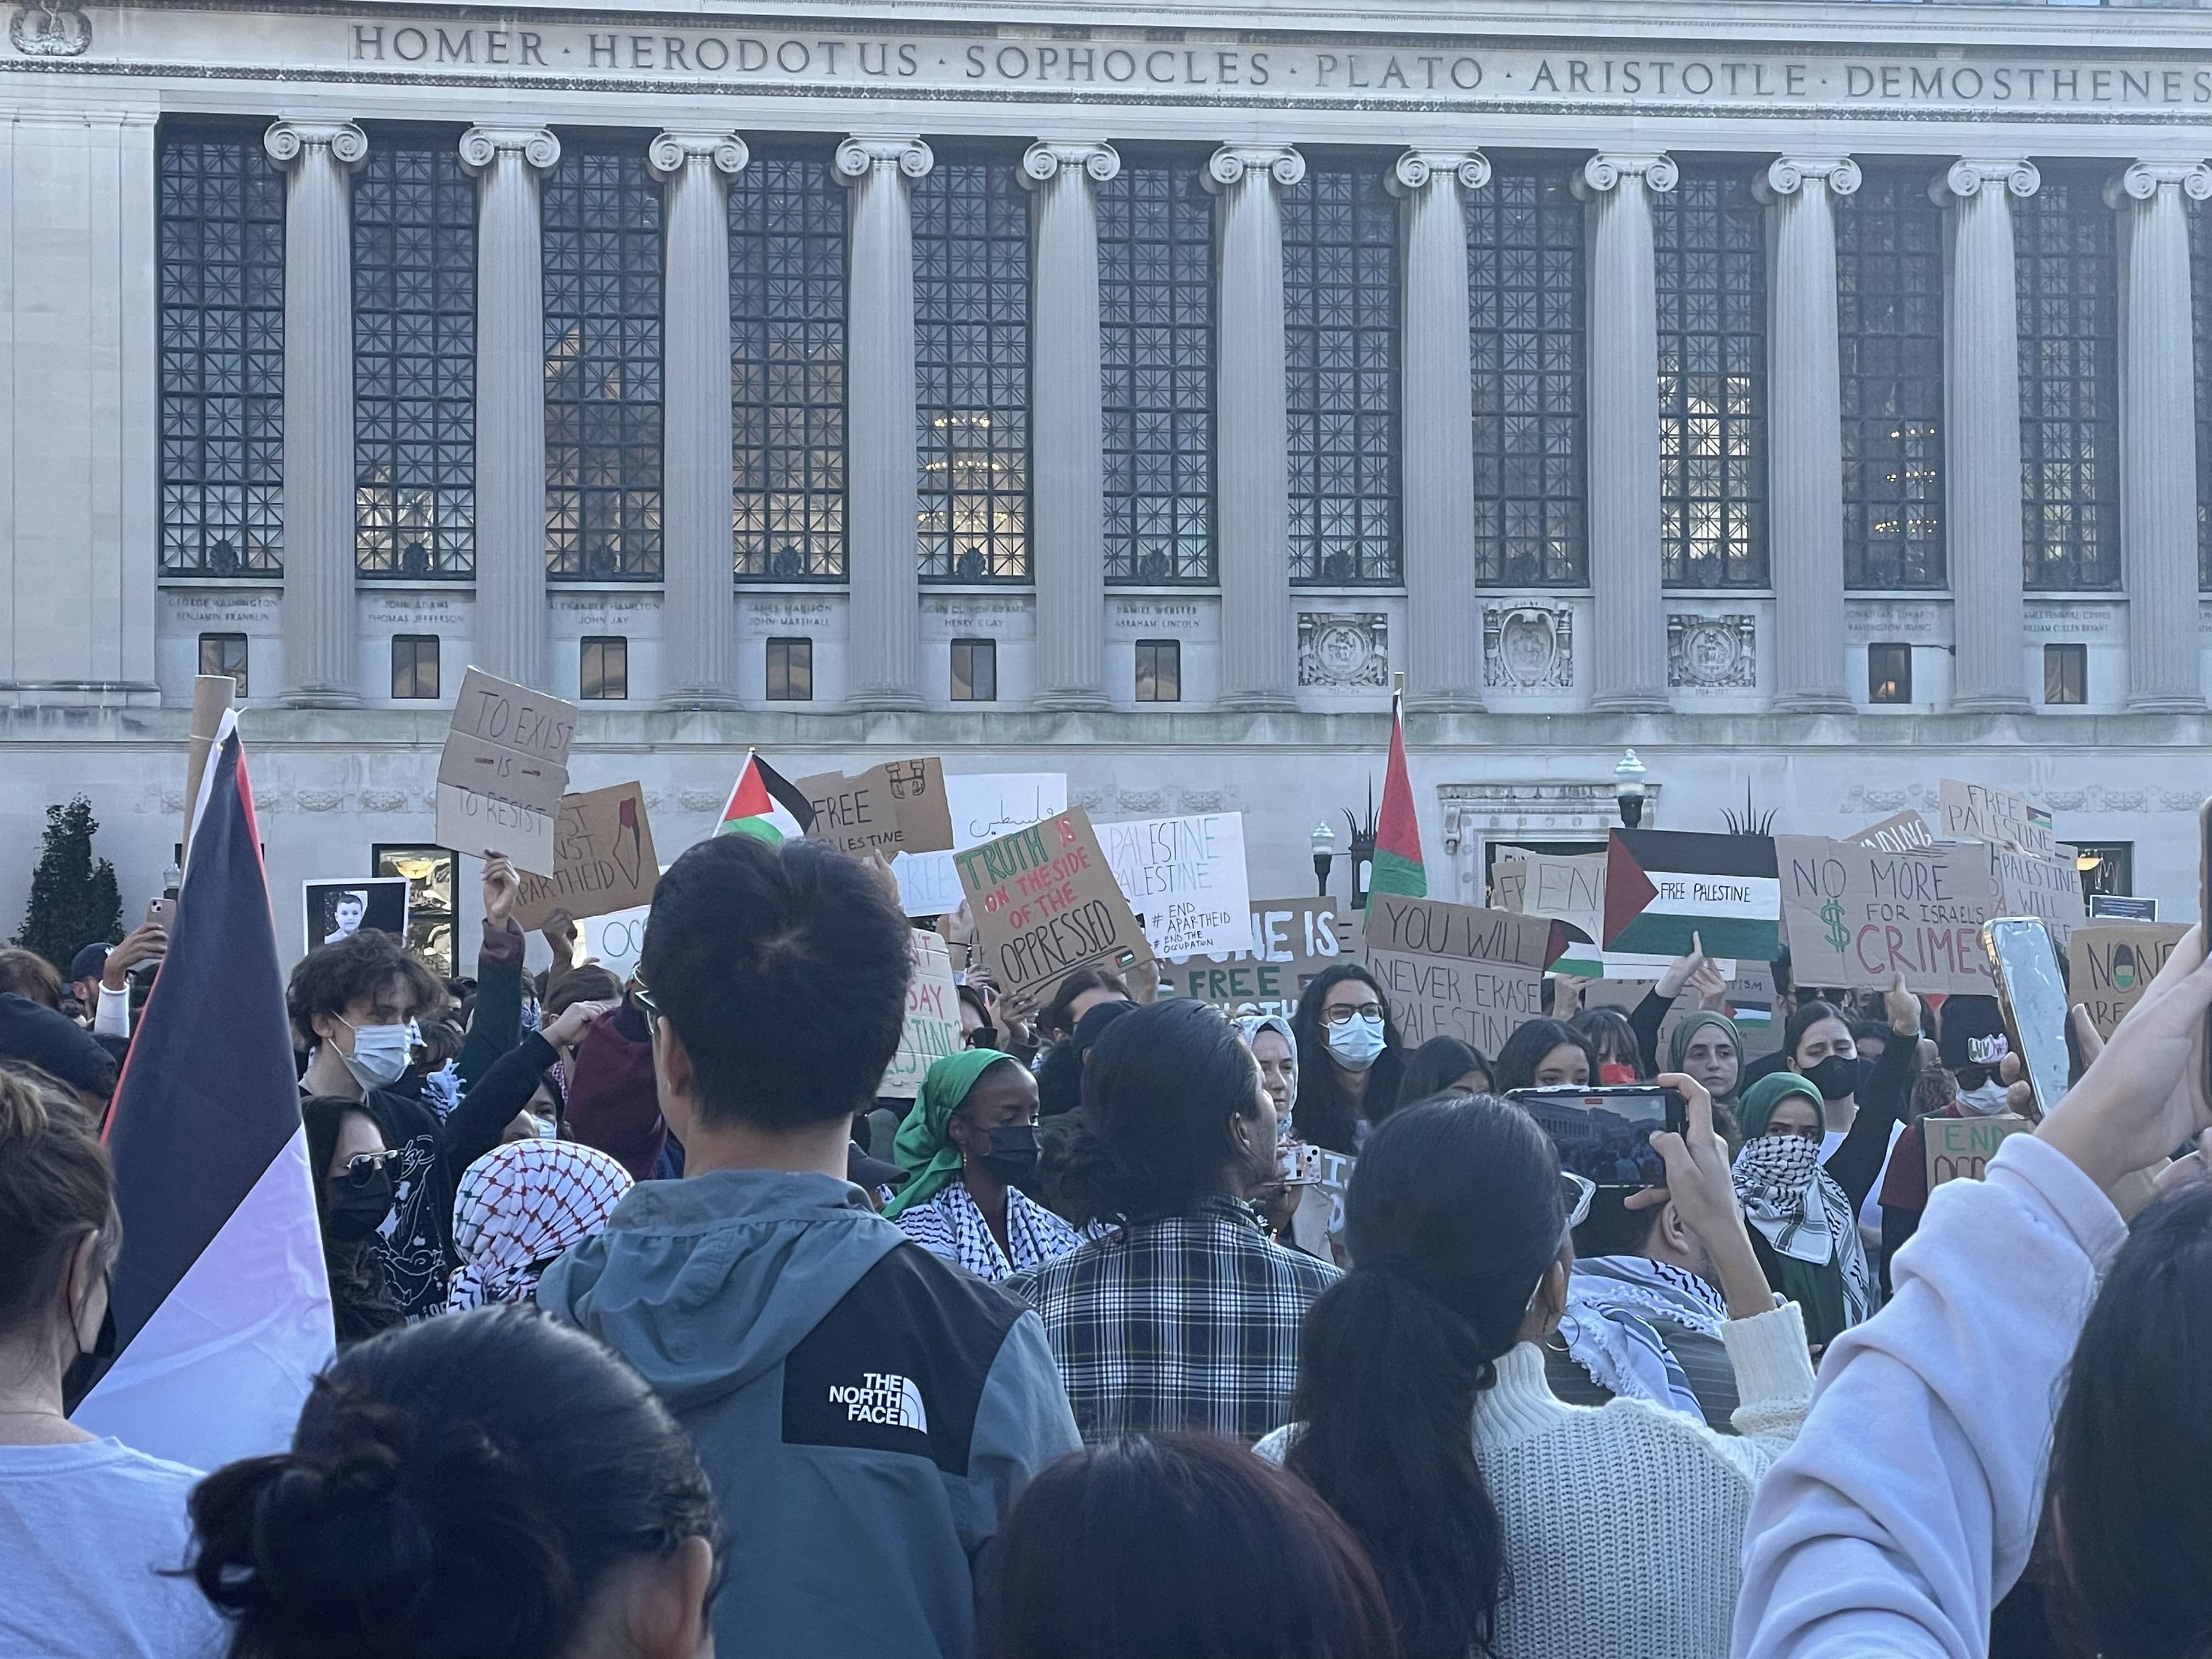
660, 1332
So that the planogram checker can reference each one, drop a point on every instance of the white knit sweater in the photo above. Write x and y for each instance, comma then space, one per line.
1624, 1522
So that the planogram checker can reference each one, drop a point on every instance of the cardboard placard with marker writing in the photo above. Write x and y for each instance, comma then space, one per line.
503, 771
2110, 964
1856, 915
931, 1031
1454, 970
1292, 941
603, 859
1045, 903
899, 806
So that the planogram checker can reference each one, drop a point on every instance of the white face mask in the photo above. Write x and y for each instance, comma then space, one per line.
1354, 1044
380, 1052
1986, 1101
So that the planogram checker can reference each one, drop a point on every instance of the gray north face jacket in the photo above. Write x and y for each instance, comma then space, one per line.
866, 1412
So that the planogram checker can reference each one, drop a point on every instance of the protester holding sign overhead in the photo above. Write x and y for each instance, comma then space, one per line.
1351, 1060
971, 1136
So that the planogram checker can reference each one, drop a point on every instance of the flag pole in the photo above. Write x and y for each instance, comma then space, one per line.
211, 695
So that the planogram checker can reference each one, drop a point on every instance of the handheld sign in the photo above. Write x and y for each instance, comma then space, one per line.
1974, 811
2041, 885
1961, 1148
897, 807
2110, 964
1858, 916
1185, 879
1291, 940
504, 770
1901, 833
980, 807
933, 1017
1454, 970
603, 859
1045, 903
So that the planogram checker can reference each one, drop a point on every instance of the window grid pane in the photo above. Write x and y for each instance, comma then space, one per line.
1889, 304
602, 250
603, 671
2200, 307
790, 671
971, 318
415, 665
1159, 671
2065, 674
1156, 343
414, 363
974, 671
1524, 270
1340, 336
2068, 280
225, 653
221, 253
1711, 245
788, 369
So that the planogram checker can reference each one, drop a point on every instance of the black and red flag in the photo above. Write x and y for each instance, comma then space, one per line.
221, 1298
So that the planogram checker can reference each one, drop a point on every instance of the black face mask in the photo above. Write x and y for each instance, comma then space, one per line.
1014, 1154
1835, 1077
90, 1363
358, 1208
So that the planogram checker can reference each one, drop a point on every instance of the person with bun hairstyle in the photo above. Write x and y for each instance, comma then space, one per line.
91, 1533
490, 1484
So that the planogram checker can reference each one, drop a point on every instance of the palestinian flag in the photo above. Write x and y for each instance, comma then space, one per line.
1663, 885
1398, 868
765, 806
221, 1299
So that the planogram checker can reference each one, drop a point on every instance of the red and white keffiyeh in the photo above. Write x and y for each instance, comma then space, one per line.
520, 1206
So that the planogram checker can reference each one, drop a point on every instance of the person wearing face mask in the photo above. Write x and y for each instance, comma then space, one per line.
1860, 1104
1802, 1229
1971, 1043
1349, 1059
352, 1199
971, 1136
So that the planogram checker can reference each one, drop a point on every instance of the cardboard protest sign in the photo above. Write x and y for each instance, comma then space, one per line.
981, 806
1045, 903
1569, 887
1453, 970
897, 807
2039, 884
1961, 1148
603, 859
933, 1017
1855, 915
1899, 833
1185, 878
2109, 965
504, 770
1291, 941
1974, 811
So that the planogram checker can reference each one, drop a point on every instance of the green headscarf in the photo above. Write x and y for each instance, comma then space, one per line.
1759, 1100
1678, 1046
923, 1146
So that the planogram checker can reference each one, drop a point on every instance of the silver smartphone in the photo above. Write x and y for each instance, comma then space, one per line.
2032, 990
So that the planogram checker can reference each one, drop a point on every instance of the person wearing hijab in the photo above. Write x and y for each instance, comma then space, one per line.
971, 1136
521, 1205
1708, 1047
1803, 1230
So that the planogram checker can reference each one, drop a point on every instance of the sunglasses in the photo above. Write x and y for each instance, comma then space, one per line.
364, 1167
648, 1007
1576, 1191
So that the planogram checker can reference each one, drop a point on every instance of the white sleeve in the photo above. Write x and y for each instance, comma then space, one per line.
1908, 1506
113, 1017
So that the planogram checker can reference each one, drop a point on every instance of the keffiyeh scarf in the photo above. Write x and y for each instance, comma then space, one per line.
1617, 1306
1798, 1208
520, 1206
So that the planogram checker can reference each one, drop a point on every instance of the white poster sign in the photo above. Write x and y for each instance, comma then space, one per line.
1185, 878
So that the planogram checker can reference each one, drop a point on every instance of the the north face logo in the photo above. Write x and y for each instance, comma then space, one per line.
882, 1397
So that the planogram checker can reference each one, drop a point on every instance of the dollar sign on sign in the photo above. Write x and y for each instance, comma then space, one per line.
1832, 913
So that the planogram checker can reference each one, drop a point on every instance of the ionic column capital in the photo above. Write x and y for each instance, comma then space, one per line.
1965, 178
669, 153
1786, 176
1042, 162
1414, 170
862, 155
1603, 172
2144, 181
1229, 165
287, 140
481, 146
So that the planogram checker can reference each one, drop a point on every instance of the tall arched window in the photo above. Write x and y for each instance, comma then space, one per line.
415, 359
1340, 334
221, 236
2068, 280
603, 354
787, 368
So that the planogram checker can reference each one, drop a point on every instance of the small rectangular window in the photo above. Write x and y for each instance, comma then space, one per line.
974, 671
415, 665
1889, 673
791, 671
224, 653
1159, 671
603, 673
2065, 675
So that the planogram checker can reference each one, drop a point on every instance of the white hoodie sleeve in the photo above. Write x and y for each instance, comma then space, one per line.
1908, 1506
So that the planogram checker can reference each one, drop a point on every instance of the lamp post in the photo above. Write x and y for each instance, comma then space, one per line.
1361, 851
1628, 790
1324, 854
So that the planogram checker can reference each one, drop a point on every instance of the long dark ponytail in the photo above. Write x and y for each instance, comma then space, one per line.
1453, 1215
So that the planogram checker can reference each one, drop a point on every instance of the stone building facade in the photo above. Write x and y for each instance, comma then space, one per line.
1805, 395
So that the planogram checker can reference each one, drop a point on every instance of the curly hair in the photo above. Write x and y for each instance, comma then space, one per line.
332, 978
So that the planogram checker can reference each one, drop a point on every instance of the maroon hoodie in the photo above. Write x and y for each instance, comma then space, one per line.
612, 1102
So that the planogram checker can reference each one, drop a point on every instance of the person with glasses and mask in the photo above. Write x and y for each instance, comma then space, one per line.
1350, 1061
1550, 1528
971, 1136
353, 1198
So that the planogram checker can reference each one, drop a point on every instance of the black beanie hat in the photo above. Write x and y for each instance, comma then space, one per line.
1972, 1032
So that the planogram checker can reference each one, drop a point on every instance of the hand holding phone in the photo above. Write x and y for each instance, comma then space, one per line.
2032, 994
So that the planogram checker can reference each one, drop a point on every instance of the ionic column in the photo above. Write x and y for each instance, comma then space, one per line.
508, 164
1628, 652
1981, 446
1444, 638
698, 614
880, 500
1805, 433
1252, 478
2158, 428
321, 667
1067, 428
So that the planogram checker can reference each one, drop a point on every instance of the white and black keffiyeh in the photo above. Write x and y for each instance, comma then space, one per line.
951, 1226
1618, 1308
1798, 1207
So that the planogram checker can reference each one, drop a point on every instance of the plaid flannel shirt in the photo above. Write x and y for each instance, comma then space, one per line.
1189, 1323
